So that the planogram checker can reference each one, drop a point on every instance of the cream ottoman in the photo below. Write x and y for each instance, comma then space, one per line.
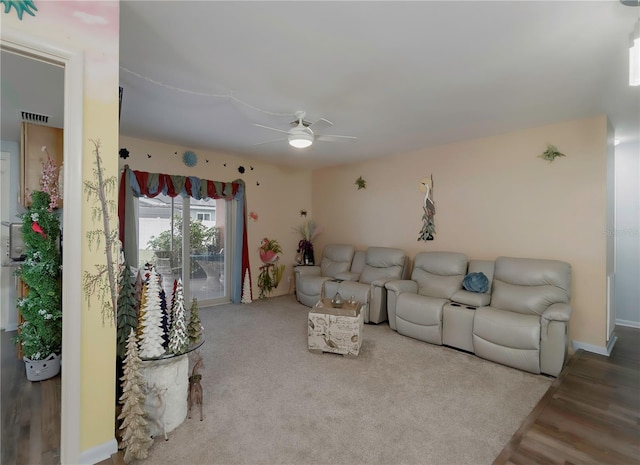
335, 330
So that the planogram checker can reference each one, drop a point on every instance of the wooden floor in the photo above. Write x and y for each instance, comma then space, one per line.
590, 415
30, 413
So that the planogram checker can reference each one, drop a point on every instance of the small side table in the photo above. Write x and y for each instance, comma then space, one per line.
335, 330
169, 373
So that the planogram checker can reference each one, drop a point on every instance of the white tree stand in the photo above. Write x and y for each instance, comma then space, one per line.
170, 375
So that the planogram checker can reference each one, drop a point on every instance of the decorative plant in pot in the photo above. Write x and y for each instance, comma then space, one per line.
308, 231
270, 272
40, 334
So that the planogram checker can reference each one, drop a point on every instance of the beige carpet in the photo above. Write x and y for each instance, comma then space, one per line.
268, 400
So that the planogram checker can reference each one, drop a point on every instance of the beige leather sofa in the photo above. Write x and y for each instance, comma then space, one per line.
522, 321
381, 265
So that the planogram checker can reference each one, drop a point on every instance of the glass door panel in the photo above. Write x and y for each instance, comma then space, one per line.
207, 250
160, 228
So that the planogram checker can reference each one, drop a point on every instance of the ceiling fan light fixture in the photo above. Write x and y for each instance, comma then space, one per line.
300, 140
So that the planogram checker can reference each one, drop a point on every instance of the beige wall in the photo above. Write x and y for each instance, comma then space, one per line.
493, 197
282, 193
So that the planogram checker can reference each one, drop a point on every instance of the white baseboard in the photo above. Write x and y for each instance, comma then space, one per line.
99, 453
595, 349
630, 324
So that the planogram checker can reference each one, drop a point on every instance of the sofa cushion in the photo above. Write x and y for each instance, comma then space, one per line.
311, 285
336, 258
512, 339
439, 274
419, 309
382, 263
507, 329
529, 286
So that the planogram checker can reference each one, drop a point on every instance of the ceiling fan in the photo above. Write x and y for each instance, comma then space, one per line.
301, 135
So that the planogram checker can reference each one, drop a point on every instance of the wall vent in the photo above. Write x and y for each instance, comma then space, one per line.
30, 117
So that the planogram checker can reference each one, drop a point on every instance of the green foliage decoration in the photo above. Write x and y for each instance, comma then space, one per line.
41, 331
202, 238
551, 153
21, 6
194, 328
127, 316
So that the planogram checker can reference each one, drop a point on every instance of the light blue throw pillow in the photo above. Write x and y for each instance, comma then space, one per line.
476, 282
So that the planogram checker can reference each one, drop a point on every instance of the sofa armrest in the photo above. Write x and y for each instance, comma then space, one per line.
557, 312
348, 276
394, 289
306, 270
381, 282
474, 299
399, 286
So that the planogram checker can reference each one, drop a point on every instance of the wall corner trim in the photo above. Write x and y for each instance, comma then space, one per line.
99, 453
600, 350
628, 323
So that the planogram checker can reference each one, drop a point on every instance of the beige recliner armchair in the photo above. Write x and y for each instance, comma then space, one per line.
415, 306
336, 258
381, 265
525, 325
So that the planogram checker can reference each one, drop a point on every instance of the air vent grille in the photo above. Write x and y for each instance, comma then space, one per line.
30, 117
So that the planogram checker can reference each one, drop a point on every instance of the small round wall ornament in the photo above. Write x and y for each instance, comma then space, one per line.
190, 158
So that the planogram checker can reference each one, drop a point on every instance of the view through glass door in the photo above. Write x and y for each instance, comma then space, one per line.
161, 222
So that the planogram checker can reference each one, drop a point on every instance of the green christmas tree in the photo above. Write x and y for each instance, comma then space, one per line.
41, 331
127, 317
194, 328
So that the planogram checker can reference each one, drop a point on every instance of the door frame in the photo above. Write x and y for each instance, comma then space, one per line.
72, 60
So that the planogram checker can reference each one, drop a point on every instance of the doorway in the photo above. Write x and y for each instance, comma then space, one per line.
31, 48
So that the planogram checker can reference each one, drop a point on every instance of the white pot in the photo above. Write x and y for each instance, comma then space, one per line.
38, 370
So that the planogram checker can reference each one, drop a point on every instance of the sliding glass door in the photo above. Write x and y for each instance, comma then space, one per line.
207, 245
161, 242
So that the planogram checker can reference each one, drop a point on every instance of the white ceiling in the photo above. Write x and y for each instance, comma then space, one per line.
398, 75
32, 86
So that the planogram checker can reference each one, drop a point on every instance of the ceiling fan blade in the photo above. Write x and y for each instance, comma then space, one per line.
270, 141
270, 128
320, 124
333, 137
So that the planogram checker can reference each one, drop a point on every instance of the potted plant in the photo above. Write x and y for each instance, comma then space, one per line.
40, 333
270, 272
308, 230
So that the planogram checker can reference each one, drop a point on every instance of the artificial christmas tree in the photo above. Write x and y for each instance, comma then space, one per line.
135, 436
152, 335
178, 340
246, 288
40, 333
194, 329
137, 292
165, 325
173, 303
141, 308
126, 316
